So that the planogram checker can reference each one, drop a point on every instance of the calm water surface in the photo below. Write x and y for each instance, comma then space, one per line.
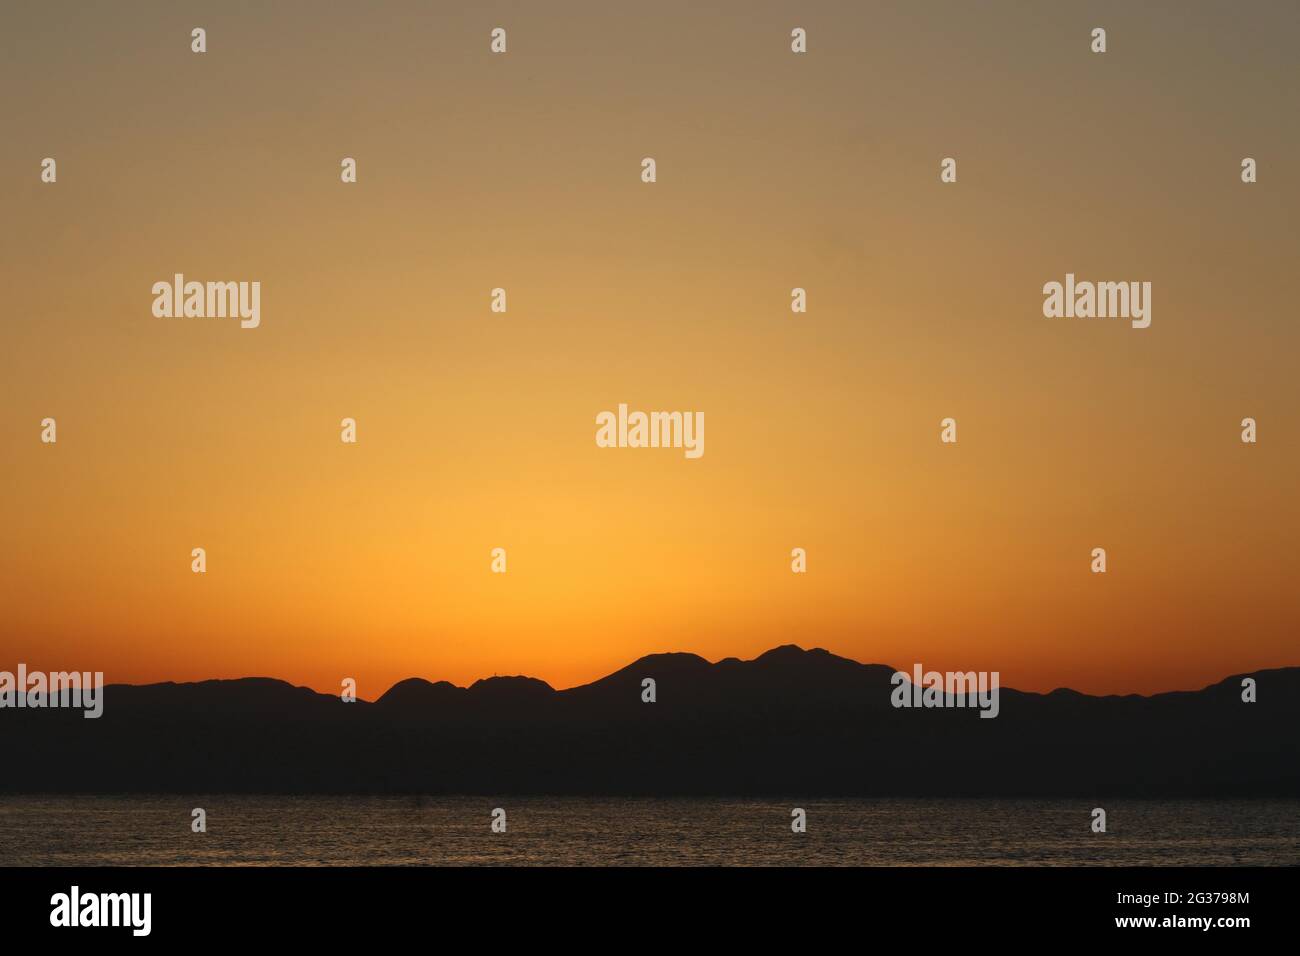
331, 831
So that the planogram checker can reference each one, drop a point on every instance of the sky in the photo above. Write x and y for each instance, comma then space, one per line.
476, 430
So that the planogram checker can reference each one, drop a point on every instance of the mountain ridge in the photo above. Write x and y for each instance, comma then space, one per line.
788, 721
674, 656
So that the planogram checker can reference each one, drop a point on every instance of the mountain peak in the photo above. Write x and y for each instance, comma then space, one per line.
511, 688
788, 652
672, 660
418, 692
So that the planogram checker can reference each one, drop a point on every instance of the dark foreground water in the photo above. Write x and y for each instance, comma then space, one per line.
328, 831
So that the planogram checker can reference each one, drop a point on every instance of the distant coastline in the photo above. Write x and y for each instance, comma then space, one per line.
789, 721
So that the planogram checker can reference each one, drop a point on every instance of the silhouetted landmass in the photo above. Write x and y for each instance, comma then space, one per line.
791, 722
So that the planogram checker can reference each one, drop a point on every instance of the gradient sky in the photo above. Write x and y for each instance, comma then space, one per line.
477, 430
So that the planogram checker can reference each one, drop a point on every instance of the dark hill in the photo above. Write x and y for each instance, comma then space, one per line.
790, 722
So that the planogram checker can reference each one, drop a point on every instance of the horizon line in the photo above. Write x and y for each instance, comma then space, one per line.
666, 654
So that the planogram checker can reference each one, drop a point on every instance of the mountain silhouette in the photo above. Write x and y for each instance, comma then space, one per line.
789, 722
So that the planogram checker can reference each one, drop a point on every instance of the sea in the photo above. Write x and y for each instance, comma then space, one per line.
241, 830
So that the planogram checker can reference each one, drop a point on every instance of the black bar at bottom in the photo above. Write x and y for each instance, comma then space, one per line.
367, 904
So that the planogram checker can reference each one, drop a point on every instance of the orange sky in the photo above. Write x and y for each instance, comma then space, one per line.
477, 430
